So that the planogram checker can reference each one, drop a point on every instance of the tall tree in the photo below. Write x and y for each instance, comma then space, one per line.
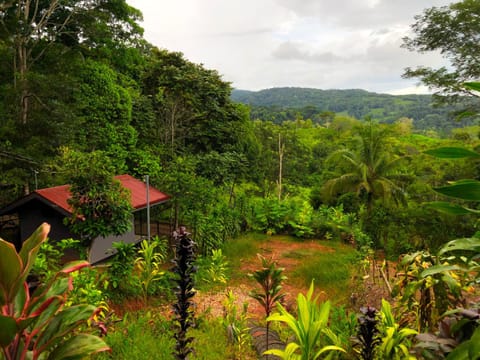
33, 28
453, 31
103, 113
369, 170
192, 107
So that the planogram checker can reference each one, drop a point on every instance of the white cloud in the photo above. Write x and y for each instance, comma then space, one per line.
315, 43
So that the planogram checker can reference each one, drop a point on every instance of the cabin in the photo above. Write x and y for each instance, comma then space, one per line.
51, 205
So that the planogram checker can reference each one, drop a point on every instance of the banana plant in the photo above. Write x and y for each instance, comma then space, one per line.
39, 326
313, 337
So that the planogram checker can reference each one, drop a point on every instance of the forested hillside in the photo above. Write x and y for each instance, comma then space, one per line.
279, 104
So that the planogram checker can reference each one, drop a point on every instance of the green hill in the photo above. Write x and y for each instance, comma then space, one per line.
279, 104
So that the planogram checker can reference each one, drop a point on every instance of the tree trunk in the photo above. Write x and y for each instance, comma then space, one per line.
20, 63
281, 150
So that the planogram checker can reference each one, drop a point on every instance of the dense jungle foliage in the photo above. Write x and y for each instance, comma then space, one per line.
83, 97
81, 102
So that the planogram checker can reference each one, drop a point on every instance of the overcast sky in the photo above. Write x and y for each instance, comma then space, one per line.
325, 44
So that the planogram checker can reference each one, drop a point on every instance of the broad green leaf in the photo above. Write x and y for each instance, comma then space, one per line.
20, 300
472, 85
436, 269
78, 347
30, 246
328, 348
464, 244
452, 153
64, 322
288, 353
10, 270
450, 209
8, 330
29, 252
467, 190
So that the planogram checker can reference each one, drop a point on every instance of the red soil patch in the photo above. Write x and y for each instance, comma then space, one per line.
277, 249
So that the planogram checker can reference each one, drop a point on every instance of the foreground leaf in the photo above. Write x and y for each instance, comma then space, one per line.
464, 244
466, 190
452, 153
79, 347
8, 330
450, 209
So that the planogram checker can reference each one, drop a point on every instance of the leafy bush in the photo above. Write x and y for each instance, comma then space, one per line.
395, 342
211, 270
269, 215
49, 257
122, 279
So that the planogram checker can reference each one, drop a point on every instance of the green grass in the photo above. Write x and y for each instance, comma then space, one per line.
145, 335
211, 342
140, 336
300, 254
331, 271
242, 247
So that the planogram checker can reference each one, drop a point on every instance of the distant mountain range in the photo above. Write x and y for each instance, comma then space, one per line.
357, 103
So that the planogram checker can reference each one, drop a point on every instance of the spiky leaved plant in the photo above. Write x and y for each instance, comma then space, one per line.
183, 308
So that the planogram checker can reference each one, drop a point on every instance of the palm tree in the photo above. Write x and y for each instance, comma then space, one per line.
370, 170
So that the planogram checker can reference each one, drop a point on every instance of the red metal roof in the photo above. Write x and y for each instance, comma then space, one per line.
59, 195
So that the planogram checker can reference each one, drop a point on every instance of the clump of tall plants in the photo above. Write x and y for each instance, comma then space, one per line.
184, 269
235, 322
212, 270
151, 256
312, 336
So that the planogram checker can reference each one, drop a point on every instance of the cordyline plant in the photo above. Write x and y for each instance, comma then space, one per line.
39, 326
184, 269
270, 278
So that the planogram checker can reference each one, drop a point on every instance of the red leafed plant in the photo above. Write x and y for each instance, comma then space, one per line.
39, 325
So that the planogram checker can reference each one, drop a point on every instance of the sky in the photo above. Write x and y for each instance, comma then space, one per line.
324, 44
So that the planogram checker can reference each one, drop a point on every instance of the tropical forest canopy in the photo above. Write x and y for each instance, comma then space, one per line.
280, 104
84, 96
